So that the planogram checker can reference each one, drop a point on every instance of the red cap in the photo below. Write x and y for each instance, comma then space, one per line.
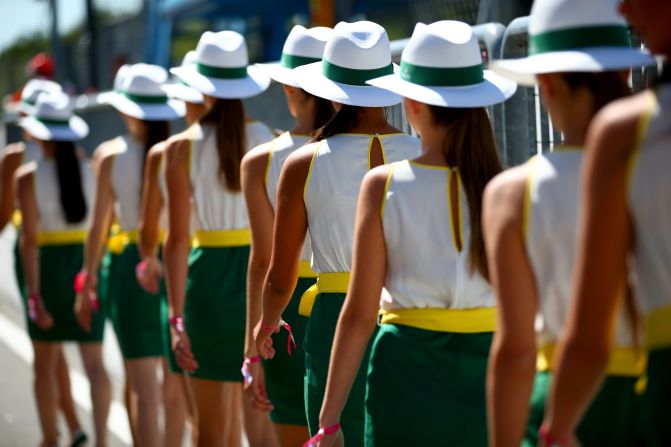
42, 65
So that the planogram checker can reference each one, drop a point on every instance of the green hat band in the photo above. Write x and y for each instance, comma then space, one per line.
52, 122
222, 72
292, 61
440, 76
352, 76
574, 38
145, 99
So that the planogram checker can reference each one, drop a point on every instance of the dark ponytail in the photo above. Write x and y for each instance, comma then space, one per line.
605, 86
69, 177
470, 147
323, 109
227, 116
343, 121
154, 132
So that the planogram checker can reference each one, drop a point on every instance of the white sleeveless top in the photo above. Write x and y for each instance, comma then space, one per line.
279, 149
551, 219
651, 207
425, 269
214, 206
127, 177
31, 152
332, 190
47, 196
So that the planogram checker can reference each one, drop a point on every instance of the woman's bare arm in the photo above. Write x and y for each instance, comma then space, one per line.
28, 240
512, 360
358, 317
12, 157
604, 239
152, 204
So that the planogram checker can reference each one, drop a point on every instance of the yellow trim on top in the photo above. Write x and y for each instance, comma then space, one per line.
455, 227
355, 134
623, 361
65, 237
526, 204
370, 148
305, 270
386, 189
312, 162
222, 238
427, 166
463, 321
326, 283
641, 130
271, 151
658, 328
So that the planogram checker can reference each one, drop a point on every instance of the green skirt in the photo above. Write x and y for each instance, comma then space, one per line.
135, 314
285, 373
656, 402
318, 343
426, 388
215, 310
59, 264
611, 419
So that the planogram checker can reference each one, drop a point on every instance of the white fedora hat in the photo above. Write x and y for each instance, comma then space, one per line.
222, 68
52, 119
179, 90
573, 36
355, 53
140, 93
303, 46
442, 65
32, 90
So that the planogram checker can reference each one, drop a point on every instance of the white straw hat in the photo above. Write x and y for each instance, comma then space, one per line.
442, 65
573, 36
140, 93
303, 46
222, 68
179, 90
355, 53
32, 90
52, 119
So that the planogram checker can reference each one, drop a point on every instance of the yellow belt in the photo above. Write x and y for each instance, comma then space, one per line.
117, 242
658, 328
305, 270
623, 361
17, 219
326, 283
443, 320
222, 238
66, 237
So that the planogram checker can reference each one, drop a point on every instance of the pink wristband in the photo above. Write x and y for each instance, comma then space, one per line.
177, 322
549, 440
323, 431
246, 373
80, 281
33, 306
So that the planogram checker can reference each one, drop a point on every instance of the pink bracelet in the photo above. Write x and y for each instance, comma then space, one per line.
291, 341
140, 268
323, 431
80, 281
34, 301
177, 322
549, 440
246, 373
269, 328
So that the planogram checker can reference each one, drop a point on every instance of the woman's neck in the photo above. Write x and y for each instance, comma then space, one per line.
433, 146
48, 149
371, 120
305, 119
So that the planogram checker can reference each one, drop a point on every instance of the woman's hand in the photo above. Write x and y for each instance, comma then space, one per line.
254, 380
326, 437
263, 339
181, 345
86, 300
149, 273
38, 313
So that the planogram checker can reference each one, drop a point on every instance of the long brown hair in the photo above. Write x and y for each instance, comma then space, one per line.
470, 147
154, 132
69, 177
323, 109
227, 116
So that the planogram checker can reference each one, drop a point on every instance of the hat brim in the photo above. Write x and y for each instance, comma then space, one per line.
184, 93
75, 130
168, 111
255, 83
312, 80
493, 90
524, 70
280, 73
